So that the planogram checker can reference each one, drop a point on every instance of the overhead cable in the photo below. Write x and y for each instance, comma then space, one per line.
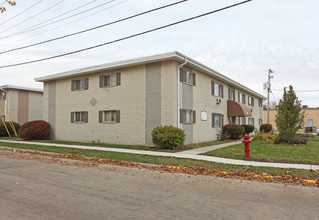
125, 38
94, 28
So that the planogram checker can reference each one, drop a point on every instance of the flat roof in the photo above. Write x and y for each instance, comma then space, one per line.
21, 88
177, 56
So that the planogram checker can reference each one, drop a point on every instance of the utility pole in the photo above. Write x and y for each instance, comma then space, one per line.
268, 91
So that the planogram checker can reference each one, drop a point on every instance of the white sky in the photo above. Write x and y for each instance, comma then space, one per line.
242, 42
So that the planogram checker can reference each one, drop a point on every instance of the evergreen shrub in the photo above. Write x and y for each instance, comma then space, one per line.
168, 137
232, 131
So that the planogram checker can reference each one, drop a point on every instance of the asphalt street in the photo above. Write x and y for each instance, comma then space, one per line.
31, 189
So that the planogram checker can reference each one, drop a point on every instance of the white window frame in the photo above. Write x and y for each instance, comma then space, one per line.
217, 120
251, 101
2, 96
217, 89
251, 121
241, 98
79, 84
79, 117
231, 94
188, 116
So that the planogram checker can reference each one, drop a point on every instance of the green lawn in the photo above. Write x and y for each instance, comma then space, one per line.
267, 151
135, 147
306, 174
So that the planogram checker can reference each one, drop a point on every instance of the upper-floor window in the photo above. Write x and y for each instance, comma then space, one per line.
187, 116
109, 116
217, 120
251, 101
79, 117
260, 103
241, 98
231, 93
2, 96
187, 76
80, 84
217, 89
110, 80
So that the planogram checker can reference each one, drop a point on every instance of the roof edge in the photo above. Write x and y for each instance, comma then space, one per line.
4, 87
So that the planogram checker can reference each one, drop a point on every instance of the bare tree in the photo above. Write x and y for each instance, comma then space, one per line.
3, 9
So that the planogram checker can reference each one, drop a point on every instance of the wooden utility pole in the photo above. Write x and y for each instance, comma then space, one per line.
268, 91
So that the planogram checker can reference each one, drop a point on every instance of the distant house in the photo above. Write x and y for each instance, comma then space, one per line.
121, 102
311, 118
21, 103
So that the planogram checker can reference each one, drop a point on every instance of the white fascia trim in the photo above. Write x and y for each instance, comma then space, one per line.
21, 88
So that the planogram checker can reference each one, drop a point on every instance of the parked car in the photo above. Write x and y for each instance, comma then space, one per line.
317, 131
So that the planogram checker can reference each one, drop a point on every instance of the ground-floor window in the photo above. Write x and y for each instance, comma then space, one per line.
251, 121
260, 122
79, 117
2, 118
217, 120
109, 116
187, 116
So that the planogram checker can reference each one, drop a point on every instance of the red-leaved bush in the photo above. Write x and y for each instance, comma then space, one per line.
35, 130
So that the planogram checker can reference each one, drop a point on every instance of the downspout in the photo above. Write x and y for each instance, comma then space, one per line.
178, 98
5, 101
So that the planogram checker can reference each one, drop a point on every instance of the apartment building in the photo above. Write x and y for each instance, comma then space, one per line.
121, 102
21, 103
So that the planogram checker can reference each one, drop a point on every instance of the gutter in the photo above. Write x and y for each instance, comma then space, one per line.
178, 86
5, 101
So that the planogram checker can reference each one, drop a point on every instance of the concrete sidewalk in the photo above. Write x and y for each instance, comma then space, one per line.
184, 155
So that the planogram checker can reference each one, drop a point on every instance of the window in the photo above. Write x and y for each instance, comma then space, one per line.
2, 96
79, 117
217, 89
217, 120
110, 80
243, 122
241, 98
251, 101
251, 121
260, 103
231, 93
2, 118
110, 116
187, 76
187, 116
80, 84
260, 122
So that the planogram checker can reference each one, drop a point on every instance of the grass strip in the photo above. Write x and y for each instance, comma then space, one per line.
305, 174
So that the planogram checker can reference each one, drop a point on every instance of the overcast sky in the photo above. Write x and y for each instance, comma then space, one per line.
242, 42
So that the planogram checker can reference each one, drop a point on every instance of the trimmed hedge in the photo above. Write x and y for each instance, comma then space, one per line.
35, 130
265, 128
291, 140
232, 131
248, 128
168, 137
3, 131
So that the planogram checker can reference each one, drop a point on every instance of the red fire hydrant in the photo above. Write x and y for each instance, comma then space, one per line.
246, 141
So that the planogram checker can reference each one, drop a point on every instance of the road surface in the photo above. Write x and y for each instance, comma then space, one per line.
31, 189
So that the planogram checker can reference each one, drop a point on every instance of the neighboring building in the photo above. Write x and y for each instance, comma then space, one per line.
311, 118
23, 104
122, 102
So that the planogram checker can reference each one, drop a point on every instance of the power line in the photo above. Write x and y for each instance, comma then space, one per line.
279, 90
128, 37
52, 29
60, 15
94, 28
62, 19
21, 12
33, 16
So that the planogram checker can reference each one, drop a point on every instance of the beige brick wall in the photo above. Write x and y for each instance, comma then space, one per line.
310, 114
35, 106
129, 98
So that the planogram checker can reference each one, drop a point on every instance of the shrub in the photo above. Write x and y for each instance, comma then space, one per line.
3, 131
168, 137
35, 130
231, 131
291, 140
262, 136
265, 127
248, 128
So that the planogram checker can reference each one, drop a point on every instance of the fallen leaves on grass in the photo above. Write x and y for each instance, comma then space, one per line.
81, 160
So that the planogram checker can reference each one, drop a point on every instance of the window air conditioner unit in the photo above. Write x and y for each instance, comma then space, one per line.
218, 101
